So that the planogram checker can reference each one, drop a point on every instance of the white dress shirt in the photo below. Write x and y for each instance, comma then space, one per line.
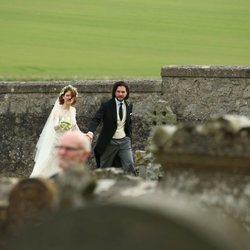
120, 133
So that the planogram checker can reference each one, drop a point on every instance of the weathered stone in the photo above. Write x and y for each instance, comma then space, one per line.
113, 183
74, 188
197, 93
84, 86
110, 173
28, 200
148, 167
209, 163
6, 185
140, 162
228, 193
205, 71
157, 111
220, 143
150, 222
246, 93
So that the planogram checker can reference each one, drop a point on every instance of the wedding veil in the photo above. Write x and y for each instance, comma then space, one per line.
46, 142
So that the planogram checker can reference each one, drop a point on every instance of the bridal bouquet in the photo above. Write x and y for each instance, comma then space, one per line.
65, 125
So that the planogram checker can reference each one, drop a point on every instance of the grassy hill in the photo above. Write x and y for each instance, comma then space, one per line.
77, 39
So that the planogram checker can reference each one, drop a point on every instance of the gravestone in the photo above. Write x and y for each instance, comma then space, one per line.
142, 224
209, 163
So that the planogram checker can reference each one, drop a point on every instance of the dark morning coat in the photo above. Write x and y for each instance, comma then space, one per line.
107, 114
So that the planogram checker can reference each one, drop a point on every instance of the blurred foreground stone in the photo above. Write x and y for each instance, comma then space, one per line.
113, 183
219, 144
26, 201
209, 163
145, 223
29, 199
148, 167
6, 185
202, 202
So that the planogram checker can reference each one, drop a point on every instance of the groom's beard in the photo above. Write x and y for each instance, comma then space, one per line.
120, 98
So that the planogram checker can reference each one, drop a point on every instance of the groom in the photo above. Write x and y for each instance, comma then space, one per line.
114, 141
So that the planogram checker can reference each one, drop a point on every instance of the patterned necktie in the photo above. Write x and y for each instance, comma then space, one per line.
120, 111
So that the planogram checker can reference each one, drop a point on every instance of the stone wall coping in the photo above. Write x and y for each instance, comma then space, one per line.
83, 86
205, 71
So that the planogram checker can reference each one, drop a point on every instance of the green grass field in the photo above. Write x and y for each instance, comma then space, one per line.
79, 39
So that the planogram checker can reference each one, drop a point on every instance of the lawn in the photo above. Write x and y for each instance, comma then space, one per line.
80, 39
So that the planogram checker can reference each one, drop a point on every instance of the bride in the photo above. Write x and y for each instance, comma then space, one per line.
61, 119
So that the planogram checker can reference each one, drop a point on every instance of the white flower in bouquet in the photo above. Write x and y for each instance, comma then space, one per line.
65, 124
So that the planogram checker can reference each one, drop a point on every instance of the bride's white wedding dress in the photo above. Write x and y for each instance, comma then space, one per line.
45, 158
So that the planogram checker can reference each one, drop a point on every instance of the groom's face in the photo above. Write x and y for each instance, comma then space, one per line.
120, 93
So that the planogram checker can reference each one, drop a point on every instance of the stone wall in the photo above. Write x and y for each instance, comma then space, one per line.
197, 93
193, 93
25, 106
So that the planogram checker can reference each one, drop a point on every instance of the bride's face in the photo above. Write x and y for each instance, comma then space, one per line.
68, 98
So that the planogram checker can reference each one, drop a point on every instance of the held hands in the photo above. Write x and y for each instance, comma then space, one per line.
90, 135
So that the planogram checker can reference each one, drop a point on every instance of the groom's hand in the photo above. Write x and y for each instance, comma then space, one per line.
90, 136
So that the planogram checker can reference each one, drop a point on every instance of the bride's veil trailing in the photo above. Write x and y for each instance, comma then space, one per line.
45, 144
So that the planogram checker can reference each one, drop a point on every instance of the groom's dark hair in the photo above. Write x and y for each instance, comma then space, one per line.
118, 84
